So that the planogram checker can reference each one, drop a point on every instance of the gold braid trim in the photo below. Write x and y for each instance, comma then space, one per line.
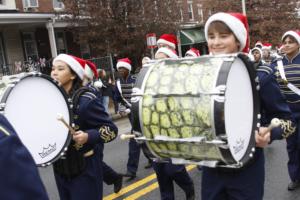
287, 127
106, 134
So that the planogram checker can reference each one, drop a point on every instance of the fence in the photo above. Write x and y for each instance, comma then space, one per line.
105, 63
44, 67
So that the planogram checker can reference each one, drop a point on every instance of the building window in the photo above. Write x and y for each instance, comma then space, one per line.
60, 40
181, 15
58, 4
30, 3
30, 46
190, 11
200, 13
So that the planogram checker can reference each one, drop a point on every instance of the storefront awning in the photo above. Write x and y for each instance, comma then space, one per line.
192, 36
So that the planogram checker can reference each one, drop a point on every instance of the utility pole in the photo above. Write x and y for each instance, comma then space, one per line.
244, 7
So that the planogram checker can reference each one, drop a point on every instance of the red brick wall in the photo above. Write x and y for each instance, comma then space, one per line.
45, 6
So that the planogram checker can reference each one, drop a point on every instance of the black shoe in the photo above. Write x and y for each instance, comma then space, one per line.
149, 165
118, 184
293, 185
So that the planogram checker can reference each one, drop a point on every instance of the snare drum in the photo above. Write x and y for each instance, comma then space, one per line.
198, 109
31, 102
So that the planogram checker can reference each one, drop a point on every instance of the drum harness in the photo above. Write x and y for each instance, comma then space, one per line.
73, 164
283, 77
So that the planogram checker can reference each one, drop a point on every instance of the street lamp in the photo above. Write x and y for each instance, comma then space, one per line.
244, 7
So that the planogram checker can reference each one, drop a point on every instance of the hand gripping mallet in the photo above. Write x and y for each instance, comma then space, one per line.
275, 122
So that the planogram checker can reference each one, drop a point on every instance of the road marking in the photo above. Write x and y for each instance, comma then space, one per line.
130, 187
151, 187
141, 192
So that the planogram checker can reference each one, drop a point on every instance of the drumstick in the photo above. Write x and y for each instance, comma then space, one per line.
61, 118
275, 122
127, 136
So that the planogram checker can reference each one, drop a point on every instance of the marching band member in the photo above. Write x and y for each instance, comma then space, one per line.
167, 40
266, 53
287, 72
167, 172
257, 57
124, 68
19, 175
110, 176
227, 33
77, 174
192, 52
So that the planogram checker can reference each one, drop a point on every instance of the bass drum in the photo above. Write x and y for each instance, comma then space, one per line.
32, 102
198, 109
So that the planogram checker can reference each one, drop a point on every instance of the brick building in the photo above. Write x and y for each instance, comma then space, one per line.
31, 29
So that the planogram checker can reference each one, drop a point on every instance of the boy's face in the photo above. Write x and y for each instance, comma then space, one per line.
256, 55
123, 72
266, 53
290, 46
222, 43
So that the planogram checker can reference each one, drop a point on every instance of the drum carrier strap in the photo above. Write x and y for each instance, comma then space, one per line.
73, 163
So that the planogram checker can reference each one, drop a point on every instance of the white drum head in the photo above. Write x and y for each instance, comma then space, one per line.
239, 109
32, 107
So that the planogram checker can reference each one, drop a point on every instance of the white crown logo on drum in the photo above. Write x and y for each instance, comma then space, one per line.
47, 151
239, 145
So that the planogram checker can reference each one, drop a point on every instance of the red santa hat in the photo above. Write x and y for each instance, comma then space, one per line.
237, 23
294, 34
124, 62
258, 43
258, 49
193, 52
75, 63
168, 39
169, 52
90, 70
267, 46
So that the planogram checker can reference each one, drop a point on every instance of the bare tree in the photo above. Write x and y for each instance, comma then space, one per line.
120, 26
268, 19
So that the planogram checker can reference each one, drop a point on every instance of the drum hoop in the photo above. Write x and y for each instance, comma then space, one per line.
256, 113
226, 154
140, 105
67, 100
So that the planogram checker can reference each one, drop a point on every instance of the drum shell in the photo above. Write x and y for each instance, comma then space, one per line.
217, 116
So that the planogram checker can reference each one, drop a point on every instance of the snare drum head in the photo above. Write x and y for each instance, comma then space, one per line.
32, 107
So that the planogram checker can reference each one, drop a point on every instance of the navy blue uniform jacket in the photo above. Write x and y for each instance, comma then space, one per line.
19, 179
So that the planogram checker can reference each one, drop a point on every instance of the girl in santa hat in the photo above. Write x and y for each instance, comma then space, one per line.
227, 33
78, 173
288, 77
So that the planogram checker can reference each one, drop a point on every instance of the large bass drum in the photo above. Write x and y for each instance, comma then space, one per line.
31, 102
198, 110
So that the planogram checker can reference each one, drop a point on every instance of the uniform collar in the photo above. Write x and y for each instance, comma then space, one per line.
291, 61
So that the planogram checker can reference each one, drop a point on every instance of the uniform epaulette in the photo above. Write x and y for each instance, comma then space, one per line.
89, 95
265, 69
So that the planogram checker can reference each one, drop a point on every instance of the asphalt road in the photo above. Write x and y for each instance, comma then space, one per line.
145, 187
